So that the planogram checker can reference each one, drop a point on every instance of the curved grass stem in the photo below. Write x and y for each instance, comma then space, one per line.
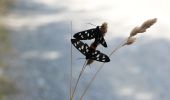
81, 72
93, 78
71, 63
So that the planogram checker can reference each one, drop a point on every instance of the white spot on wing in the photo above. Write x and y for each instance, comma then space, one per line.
78, 42
82, 47
88, 34
87, 50
75, 44
86, 47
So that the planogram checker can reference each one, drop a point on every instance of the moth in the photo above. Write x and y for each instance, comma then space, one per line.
89, 52
97, 33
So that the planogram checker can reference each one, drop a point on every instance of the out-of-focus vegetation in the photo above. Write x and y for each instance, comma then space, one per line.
5, 6
6, 87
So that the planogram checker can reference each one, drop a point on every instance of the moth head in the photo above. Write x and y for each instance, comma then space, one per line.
103, 28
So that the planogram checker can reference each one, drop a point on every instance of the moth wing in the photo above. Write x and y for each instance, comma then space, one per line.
86, 35
82, 47
98, 56
103, 42
90, 54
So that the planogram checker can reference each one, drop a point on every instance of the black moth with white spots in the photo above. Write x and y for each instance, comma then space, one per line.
93, 33
89, 52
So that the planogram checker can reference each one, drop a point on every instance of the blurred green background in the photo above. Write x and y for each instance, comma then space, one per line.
6, 86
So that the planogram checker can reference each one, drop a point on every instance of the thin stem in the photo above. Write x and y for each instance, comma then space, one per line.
71, 62
91, 81
117, 48
93, 78
81, 72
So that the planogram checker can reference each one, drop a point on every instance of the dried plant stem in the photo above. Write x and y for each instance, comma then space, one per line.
81, 72
71, 62
118, 47
91, 81
93, 78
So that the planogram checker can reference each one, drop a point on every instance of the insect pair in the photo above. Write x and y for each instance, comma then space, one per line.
90, 52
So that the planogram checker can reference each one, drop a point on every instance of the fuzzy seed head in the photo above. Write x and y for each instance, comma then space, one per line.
130, 41
148, 23
103, 28
134, 31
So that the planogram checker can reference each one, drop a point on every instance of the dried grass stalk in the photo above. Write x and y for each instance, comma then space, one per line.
130, 41
147, 24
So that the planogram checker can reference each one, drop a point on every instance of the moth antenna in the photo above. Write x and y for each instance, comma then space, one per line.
91, 24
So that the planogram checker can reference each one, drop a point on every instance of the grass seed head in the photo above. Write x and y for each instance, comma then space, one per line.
148, 23
135, 31
130, 41
103, 28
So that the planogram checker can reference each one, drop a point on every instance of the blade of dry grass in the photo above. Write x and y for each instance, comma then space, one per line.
71, 62
99, 69
81, 72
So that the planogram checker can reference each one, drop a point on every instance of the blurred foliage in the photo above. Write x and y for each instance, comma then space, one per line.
4, 41
5, 6
6, 87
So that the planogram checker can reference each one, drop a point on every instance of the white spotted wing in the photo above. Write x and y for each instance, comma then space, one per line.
86, 35
98, 56
102, 41
88, 52
93, 33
